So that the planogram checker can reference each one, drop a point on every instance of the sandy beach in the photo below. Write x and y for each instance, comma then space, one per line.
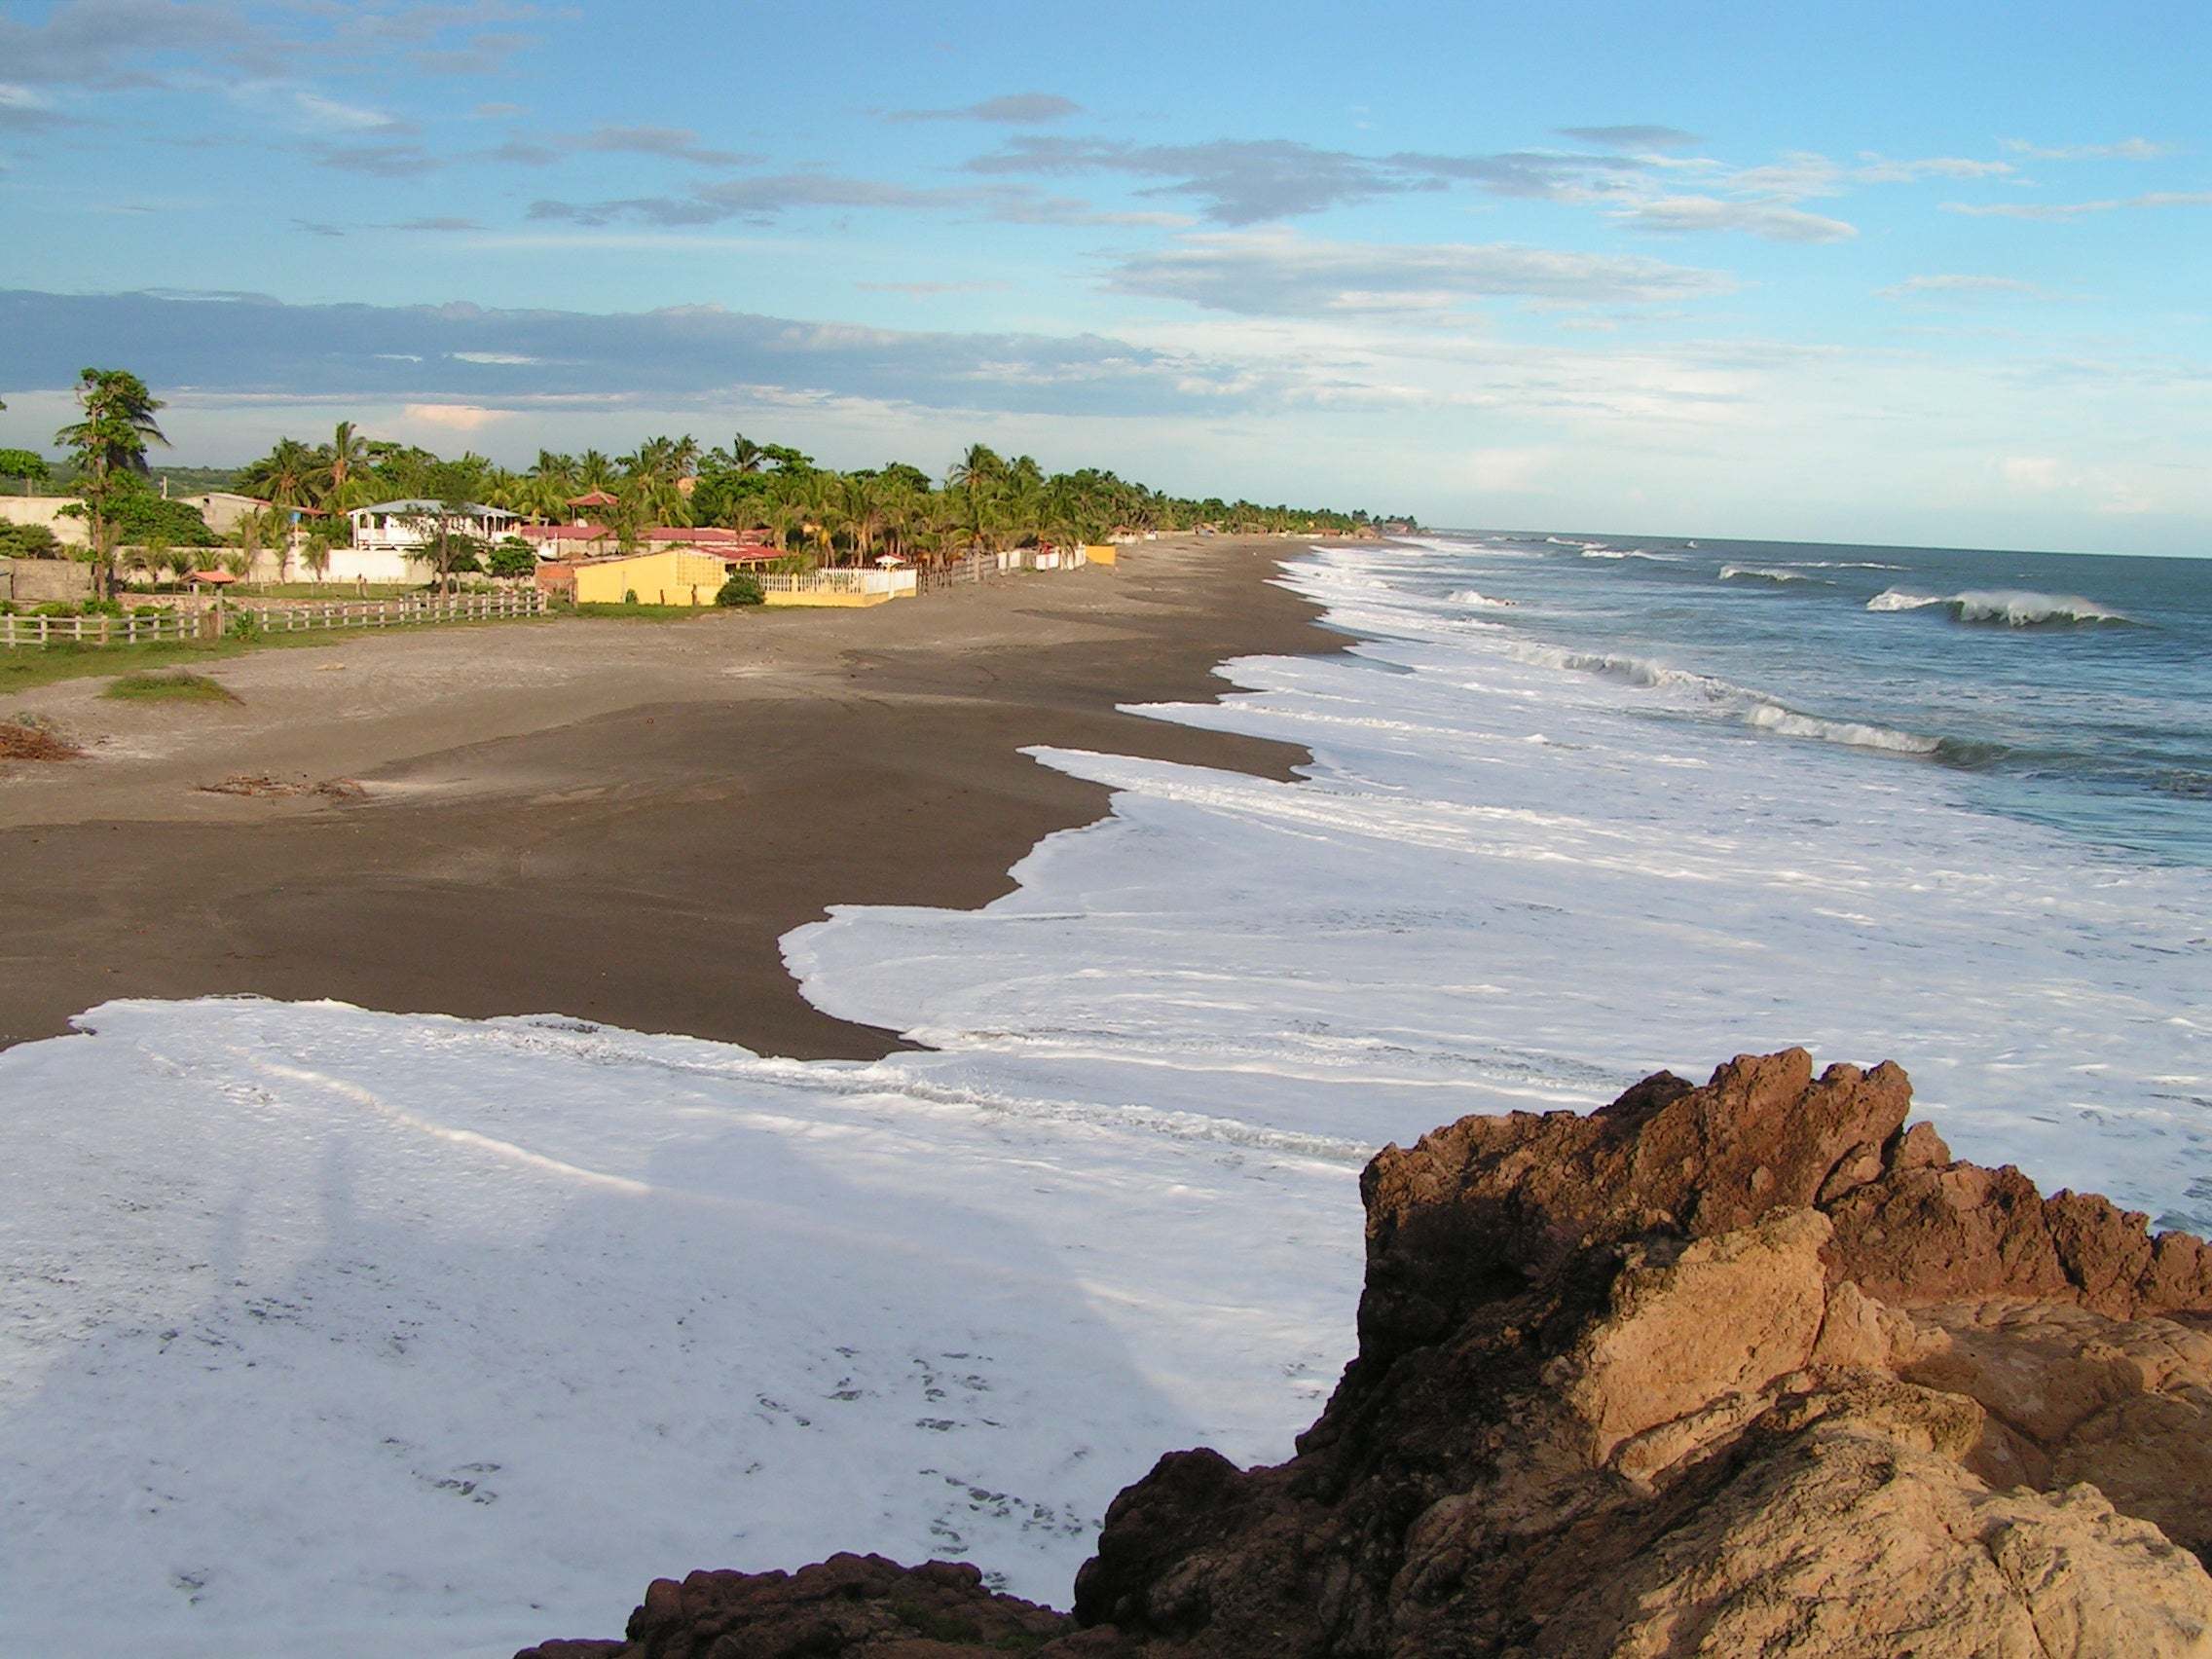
612, 819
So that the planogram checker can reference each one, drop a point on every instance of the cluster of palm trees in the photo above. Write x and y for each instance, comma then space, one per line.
985, 501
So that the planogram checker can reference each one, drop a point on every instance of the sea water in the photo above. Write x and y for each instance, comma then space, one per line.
327, 1329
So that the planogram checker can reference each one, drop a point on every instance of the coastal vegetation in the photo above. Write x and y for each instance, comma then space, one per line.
985, 500
818, 515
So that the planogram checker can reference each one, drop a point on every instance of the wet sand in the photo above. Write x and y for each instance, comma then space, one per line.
612, 819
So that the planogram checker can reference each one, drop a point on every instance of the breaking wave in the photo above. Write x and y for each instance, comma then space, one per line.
1482, 601
1761, 574
2008, 608
1754, 709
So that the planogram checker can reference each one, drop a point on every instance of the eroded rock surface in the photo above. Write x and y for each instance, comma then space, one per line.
1746, 1368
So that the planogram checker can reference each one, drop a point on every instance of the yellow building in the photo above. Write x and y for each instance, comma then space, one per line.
676, 576
1100, 553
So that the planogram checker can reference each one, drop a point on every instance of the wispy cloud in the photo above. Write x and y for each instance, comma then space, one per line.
379, 160
332, 115
2126, 150
1634, 136
1015, 109
2059, 210
761, 197
1873, 168
1961, 287
25, 110
679, 142
1237, 181
1281, 273
923, 290
1683, 215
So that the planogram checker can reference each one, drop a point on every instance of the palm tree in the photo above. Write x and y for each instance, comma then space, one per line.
342, 458
742, 456
180, 563
146, 558
317, 557
549, 485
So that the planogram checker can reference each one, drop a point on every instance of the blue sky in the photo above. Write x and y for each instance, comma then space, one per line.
1916, 273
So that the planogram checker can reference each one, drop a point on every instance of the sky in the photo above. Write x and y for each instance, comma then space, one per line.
1929, 273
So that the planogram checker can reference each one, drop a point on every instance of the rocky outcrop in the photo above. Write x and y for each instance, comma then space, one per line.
1746, 1368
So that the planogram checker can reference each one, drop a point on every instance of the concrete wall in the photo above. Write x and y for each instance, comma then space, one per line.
40, 581
223, 508
45, 509
349, 564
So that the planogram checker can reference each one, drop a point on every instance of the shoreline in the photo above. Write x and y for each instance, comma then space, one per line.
612, 822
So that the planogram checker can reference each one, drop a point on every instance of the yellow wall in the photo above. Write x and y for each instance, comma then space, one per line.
849, 600
672, 578
1099, 555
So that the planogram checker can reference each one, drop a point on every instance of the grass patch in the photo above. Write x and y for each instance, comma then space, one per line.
330, 593
178, 686
29, 665
643, 612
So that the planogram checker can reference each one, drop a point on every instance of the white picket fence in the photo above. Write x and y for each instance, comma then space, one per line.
834, 581
174, 626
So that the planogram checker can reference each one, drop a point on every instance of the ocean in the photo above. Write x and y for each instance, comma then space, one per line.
333, 1329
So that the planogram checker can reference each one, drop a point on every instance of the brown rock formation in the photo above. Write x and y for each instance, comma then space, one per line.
1746, 1368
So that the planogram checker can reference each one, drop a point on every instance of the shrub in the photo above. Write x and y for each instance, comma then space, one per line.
629, 596
245, 625
28, 541
100, 608
740, 589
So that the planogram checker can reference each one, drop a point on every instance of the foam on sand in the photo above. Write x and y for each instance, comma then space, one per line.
337, 1331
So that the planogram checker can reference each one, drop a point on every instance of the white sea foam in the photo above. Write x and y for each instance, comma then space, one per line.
1762, 573
316, 1314
1482, 601
2010, 607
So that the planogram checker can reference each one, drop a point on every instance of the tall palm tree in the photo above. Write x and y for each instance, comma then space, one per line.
342, 458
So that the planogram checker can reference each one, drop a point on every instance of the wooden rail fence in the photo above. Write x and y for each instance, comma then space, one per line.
171, 625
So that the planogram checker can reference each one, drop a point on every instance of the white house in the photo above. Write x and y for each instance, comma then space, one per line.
389, 537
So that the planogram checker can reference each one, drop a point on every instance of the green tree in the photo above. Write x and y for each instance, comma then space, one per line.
512, 558
316, 555
109, 445
26, 465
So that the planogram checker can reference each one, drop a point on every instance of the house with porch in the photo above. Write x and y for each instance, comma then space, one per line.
389, 537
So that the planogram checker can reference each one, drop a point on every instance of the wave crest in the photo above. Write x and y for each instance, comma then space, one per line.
1482, 601
1754, 709
1762, 573
2008, 608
